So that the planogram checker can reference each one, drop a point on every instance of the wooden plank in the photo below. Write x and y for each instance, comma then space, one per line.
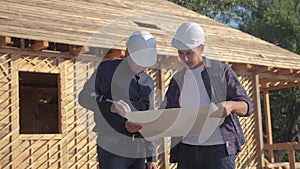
278, 164
77, 50
268, 124
39, 45
4, 40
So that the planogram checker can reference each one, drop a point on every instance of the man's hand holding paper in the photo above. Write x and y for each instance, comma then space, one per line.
177, 122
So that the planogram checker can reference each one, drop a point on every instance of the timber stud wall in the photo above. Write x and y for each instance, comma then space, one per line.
75, 147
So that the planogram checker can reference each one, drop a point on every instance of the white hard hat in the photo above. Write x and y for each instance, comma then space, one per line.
188, 36
141, 47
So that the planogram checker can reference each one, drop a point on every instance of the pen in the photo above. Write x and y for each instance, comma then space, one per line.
108, 100
101, 98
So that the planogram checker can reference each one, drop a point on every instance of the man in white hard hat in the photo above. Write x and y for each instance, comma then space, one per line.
201, 82
122, 86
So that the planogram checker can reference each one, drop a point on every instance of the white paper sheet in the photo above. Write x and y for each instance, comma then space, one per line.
177, 122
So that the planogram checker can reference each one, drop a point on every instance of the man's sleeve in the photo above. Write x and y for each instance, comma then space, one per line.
102, 88
150, 150
235, 91
86, 96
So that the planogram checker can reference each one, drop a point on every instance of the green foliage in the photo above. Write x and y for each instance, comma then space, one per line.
277, 22
224, 11
285, 108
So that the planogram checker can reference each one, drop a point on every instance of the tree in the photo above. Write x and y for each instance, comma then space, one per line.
285, 110
225, 11
277, 22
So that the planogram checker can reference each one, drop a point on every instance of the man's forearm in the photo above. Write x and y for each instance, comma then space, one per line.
239, 107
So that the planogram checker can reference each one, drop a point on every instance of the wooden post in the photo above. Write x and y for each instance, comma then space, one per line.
14, 114
164, 156
292, 158
268, 125
64, 153
258, 118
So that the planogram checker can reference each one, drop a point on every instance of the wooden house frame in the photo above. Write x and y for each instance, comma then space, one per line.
68, 39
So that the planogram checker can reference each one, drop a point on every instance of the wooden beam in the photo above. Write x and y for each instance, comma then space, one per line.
278, 146
282, 86
39, 45
285, 72
266, 80
4, 40
260, 69
296, 146
279, 77
275, 82
241, 67
114, 54
80, 49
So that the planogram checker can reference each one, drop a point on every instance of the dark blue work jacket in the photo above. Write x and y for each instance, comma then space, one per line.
115, 80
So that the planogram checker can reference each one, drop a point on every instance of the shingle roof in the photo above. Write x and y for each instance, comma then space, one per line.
103, 23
